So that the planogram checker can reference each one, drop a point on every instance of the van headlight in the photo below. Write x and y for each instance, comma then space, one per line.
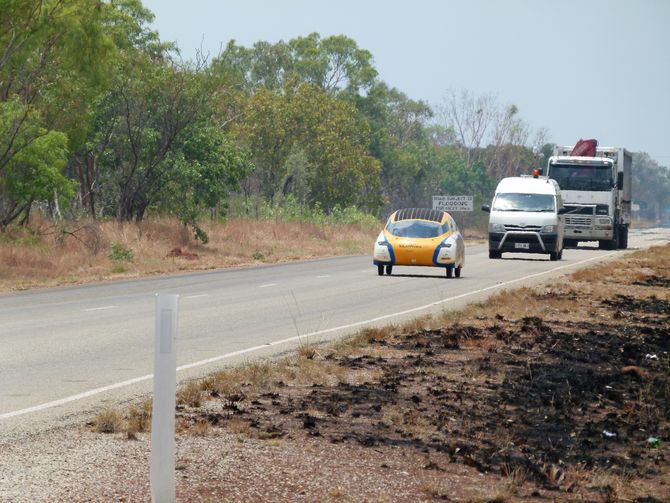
496, 228
548, 229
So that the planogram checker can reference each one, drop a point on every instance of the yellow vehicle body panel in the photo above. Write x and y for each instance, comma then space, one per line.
414, 251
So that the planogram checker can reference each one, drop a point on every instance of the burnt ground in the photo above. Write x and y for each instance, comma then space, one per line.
564, 400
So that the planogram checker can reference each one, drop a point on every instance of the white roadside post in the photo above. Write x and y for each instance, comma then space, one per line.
165, 387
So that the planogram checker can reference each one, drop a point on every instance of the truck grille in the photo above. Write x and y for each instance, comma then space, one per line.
575, 221
580, 210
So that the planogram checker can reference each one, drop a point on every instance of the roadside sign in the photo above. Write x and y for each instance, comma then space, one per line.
453, 203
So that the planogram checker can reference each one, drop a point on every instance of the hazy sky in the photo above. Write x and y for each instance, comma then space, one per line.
581, 69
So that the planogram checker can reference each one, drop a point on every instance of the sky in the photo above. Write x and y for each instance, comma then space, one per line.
577, 68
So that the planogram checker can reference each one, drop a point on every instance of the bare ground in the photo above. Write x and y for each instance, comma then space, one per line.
562, 403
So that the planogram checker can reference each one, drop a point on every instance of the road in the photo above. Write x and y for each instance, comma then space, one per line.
68, 350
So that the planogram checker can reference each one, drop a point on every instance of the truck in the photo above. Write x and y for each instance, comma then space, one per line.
597, 192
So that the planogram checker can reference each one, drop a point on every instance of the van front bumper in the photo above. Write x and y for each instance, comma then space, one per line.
523, 242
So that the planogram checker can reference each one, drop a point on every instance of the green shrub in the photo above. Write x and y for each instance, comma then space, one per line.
120, 253
289, 209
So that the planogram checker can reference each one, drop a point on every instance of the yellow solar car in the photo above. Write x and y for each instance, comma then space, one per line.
421, 237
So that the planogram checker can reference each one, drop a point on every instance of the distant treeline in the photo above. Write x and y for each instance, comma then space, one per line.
100, 118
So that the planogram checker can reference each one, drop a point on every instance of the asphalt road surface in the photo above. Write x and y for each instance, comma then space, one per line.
66, 351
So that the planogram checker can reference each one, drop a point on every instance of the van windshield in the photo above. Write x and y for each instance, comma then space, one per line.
524, 202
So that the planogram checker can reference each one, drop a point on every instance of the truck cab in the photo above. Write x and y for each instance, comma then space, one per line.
526, 217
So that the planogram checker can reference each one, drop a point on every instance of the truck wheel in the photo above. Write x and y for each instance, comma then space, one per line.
623, 237
553, 256
495, 254
380, 270
610, 244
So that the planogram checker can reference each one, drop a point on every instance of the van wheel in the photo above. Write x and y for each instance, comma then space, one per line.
450, 272
380, 270
389, 268
495, 254
457, 272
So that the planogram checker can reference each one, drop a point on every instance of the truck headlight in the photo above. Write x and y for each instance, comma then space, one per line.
496, 228
603, 221
548, 229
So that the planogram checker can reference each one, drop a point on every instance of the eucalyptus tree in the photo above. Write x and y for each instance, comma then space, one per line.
335, 63
56, 59
329, 136
487, 131
651, 186
53, 58
400, 140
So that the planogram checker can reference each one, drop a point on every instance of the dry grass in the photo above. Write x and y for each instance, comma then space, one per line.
108, 421
190, 394
48, 254
201, 428
139, 418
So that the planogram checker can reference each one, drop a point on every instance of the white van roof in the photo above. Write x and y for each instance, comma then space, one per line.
528, 185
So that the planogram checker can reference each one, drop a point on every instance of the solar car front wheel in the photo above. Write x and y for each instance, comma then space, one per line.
389, 269
380, 270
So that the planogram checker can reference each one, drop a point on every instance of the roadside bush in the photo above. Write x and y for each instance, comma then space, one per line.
120, 253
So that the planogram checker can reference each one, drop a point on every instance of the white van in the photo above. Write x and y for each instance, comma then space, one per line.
525, 216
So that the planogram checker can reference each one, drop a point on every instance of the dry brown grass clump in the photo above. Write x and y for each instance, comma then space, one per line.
108, 421
50, 254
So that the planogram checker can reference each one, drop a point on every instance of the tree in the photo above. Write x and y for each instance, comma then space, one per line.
328, 136
335, 63
207, 167
33, 162
139, 125
56, 58
651, 185
401, 142
488, 131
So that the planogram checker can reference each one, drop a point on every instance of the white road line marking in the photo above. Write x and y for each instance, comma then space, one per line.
101, 308
197, 296
324, 276
267, 285
215, 359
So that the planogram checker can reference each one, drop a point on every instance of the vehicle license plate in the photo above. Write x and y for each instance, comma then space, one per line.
522, 246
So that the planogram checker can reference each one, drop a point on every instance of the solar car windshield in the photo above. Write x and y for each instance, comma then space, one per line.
416, 229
